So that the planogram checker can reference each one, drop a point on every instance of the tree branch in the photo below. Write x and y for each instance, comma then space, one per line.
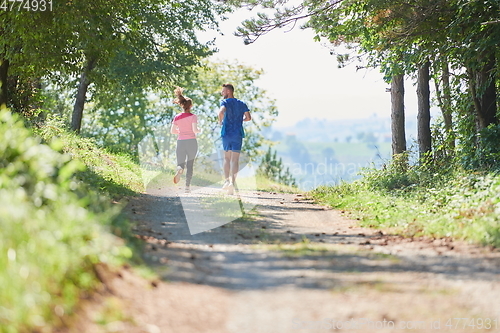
281, 19
491, 22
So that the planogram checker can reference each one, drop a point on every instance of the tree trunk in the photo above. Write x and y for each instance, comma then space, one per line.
4, 96
475, 100
40, 116
482, 85
424, 110
81, 95
446, 108
398, 115
489, 98
444, 101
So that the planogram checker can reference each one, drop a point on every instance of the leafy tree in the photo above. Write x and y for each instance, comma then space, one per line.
123, 120
26, 38
108, 43
438, 37
156, 45
205, 91
272, 168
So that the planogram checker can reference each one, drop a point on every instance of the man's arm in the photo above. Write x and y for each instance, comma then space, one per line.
221, 114
247, 116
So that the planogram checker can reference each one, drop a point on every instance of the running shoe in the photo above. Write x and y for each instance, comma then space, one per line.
226, 184
178, 174
230, 189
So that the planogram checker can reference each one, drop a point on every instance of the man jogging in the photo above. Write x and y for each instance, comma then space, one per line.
232, 114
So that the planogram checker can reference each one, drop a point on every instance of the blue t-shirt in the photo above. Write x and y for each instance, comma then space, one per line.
232, 124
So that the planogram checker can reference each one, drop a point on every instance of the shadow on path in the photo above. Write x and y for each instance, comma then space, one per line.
325, 250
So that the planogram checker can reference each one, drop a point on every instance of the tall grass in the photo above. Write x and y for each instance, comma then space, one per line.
114, 174
54, 229
420, 200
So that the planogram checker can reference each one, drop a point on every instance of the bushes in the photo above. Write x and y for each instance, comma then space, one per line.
53, 231
400, 175
487, 155
424, 200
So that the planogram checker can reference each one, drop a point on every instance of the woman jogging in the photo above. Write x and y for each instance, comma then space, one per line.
185, 125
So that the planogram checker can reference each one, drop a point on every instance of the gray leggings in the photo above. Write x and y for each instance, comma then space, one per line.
186, 152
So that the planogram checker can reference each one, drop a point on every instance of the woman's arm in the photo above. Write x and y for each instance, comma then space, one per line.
174, 129
195, 128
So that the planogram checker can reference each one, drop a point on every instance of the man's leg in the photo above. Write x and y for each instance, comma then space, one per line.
227, 170
232, 147
235, 165
227, 164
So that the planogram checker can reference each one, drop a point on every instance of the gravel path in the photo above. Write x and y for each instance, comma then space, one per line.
292, 265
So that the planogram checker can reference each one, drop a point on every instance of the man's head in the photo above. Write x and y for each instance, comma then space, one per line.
227, 91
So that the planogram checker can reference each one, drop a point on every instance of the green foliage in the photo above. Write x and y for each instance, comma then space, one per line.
489, 150
265, 184
396, 175
117, 175
486, 155
439, 203
118, 44
54, 231
400, 175
397, 37
122, 121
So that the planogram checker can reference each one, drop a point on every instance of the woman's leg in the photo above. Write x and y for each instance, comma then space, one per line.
181, 154
192, 150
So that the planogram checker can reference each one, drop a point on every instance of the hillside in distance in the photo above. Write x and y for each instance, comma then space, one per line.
325, 152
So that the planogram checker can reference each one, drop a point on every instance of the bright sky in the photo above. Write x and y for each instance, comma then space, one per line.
304, 78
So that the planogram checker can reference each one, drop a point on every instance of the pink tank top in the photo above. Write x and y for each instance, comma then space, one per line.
184, 121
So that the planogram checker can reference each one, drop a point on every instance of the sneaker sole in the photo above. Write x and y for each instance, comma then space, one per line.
177, 177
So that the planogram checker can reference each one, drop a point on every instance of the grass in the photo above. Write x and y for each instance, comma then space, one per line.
222, 206
266, 185
117, 175
463, 205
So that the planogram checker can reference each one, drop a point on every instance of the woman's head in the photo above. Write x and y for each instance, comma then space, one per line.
185, 102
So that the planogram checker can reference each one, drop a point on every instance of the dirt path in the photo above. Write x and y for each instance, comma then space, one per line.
297, 266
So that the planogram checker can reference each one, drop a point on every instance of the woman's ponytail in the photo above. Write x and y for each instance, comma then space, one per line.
185, 102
